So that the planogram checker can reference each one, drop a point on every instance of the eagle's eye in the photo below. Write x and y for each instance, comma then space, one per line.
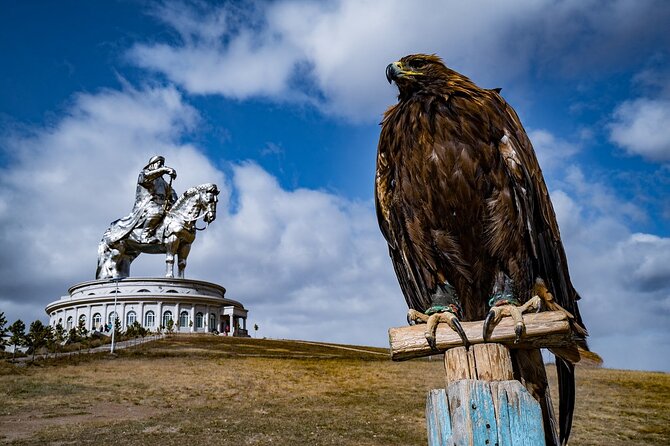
416, 63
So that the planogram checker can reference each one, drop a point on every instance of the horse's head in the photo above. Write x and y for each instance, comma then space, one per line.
196, 203
210, 197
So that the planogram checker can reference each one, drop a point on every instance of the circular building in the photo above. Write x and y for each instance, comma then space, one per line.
193, 306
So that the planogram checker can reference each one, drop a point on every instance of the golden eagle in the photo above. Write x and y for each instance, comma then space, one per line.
466, 213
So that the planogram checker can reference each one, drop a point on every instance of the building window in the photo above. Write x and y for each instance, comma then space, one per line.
143, 290
82, 320
212, 322
149, 319
112, 316
172, 291
199, 320
69, 323
167, 317
97, 320
183, 319
131, 317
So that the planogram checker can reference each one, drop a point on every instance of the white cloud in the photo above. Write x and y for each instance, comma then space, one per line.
66, 182
642, 127
333, 54
552, 152
308, 264
623, 278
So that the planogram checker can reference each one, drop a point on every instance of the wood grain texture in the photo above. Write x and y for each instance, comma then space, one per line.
488, 362
493, 362
472, 412
437, 418
458, 364
543, 330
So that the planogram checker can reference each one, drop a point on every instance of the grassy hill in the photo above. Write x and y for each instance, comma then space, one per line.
227, 391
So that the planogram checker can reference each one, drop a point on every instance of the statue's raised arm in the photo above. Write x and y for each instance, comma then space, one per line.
159, 222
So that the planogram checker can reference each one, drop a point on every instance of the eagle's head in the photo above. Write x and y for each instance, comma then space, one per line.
419, 73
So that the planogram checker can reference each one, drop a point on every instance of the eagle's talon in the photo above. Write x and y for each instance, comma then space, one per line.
416, 317
431, 342
487, 323
518, 330
432, 322
458, 328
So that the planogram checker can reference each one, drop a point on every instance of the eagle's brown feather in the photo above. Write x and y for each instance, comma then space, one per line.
460, 195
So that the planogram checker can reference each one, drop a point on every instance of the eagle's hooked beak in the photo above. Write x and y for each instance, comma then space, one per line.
392, 71
395, 70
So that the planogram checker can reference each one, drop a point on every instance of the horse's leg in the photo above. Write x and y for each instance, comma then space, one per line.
184, 249
171, 244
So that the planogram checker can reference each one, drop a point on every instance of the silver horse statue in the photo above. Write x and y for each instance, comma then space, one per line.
175, 235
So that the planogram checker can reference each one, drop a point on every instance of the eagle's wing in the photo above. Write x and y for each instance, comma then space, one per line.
532, 198
411, 280
550, 262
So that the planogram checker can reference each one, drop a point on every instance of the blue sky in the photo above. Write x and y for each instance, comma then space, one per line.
279, 103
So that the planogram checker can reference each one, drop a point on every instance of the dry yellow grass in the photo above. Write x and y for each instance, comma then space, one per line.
212, 390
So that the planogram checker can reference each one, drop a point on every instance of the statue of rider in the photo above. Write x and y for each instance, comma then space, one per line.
153, 197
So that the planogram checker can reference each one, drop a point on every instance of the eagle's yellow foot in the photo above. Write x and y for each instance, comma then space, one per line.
433, 317
510, 307
504, 304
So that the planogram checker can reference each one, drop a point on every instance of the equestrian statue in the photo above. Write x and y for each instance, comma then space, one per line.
160, 222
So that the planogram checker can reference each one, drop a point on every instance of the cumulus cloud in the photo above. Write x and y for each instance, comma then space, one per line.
65, 183
642, 127
552, 152
333, 54
308, 264
622, 276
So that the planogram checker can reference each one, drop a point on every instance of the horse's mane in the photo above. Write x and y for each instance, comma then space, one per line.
191, 191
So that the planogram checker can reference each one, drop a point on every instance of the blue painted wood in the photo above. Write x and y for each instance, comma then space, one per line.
503, 424
519, 415
472, 412
437, 417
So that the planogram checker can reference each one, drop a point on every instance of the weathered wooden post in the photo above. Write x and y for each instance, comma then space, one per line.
486, 401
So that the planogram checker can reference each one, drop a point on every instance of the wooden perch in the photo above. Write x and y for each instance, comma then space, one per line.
543, 330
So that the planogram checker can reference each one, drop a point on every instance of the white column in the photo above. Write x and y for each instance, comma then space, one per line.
122, 319
141, 316
88, 319
192, 322
176, 317
159, 316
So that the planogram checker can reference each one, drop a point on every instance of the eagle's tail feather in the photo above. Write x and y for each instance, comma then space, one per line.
566, 392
